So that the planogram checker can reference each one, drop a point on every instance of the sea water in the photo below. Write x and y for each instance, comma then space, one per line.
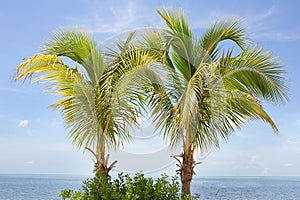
247, 188
37, 187
47, 187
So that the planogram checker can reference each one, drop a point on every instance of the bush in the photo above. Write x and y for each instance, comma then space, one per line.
125, 187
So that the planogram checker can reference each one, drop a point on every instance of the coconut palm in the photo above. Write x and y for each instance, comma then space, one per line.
96, 116
209, 91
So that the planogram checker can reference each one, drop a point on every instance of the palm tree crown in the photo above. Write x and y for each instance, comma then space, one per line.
209, 91
95, 115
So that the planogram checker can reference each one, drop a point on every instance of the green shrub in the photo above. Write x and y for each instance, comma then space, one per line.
66, 194
125, 187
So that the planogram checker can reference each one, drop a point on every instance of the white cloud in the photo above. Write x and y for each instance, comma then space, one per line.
288, 165
115, 19
23, 123
30, 162
259, 23
266, 14
265, 170
278, 36
203, 22
253, 162
130, 15
61, 148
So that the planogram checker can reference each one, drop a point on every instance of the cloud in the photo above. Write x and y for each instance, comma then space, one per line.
205, 21
30, 162
61, 148
253, 19
253, 162
114, 19
261, 24
278, 36
128, 15
265, 170
266, 14
23, 123
288, 165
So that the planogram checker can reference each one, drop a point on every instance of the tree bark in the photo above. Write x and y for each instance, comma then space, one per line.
101, 170
186, 172
101, 167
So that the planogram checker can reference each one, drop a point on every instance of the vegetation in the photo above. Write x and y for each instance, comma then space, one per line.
198, 91
209, 91
97, 119
125, 187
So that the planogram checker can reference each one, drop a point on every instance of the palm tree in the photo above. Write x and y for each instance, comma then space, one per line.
208, 91
96, 116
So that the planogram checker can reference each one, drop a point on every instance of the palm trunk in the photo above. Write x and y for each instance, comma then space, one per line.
101, 169
101, 164
186, 172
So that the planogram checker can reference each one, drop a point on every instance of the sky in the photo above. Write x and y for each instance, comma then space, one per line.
33, 138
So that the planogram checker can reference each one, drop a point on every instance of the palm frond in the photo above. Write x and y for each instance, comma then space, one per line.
225, 29
179, 42
79, 47
58, 76
75, 45
176, 21
255, 72
243, 107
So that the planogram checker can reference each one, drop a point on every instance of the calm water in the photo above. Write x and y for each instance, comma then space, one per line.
47, 187
36, 187
248, 188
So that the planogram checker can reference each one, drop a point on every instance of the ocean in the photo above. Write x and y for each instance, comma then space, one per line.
47, 187
37, 187
247, 188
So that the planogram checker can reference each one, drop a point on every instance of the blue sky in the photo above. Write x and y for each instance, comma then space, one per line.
33, 138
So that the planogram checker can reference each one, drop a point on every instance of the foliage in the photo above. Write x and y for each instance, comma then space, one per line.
95, 116
198, 91
125, 187
65, 194
209, 91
